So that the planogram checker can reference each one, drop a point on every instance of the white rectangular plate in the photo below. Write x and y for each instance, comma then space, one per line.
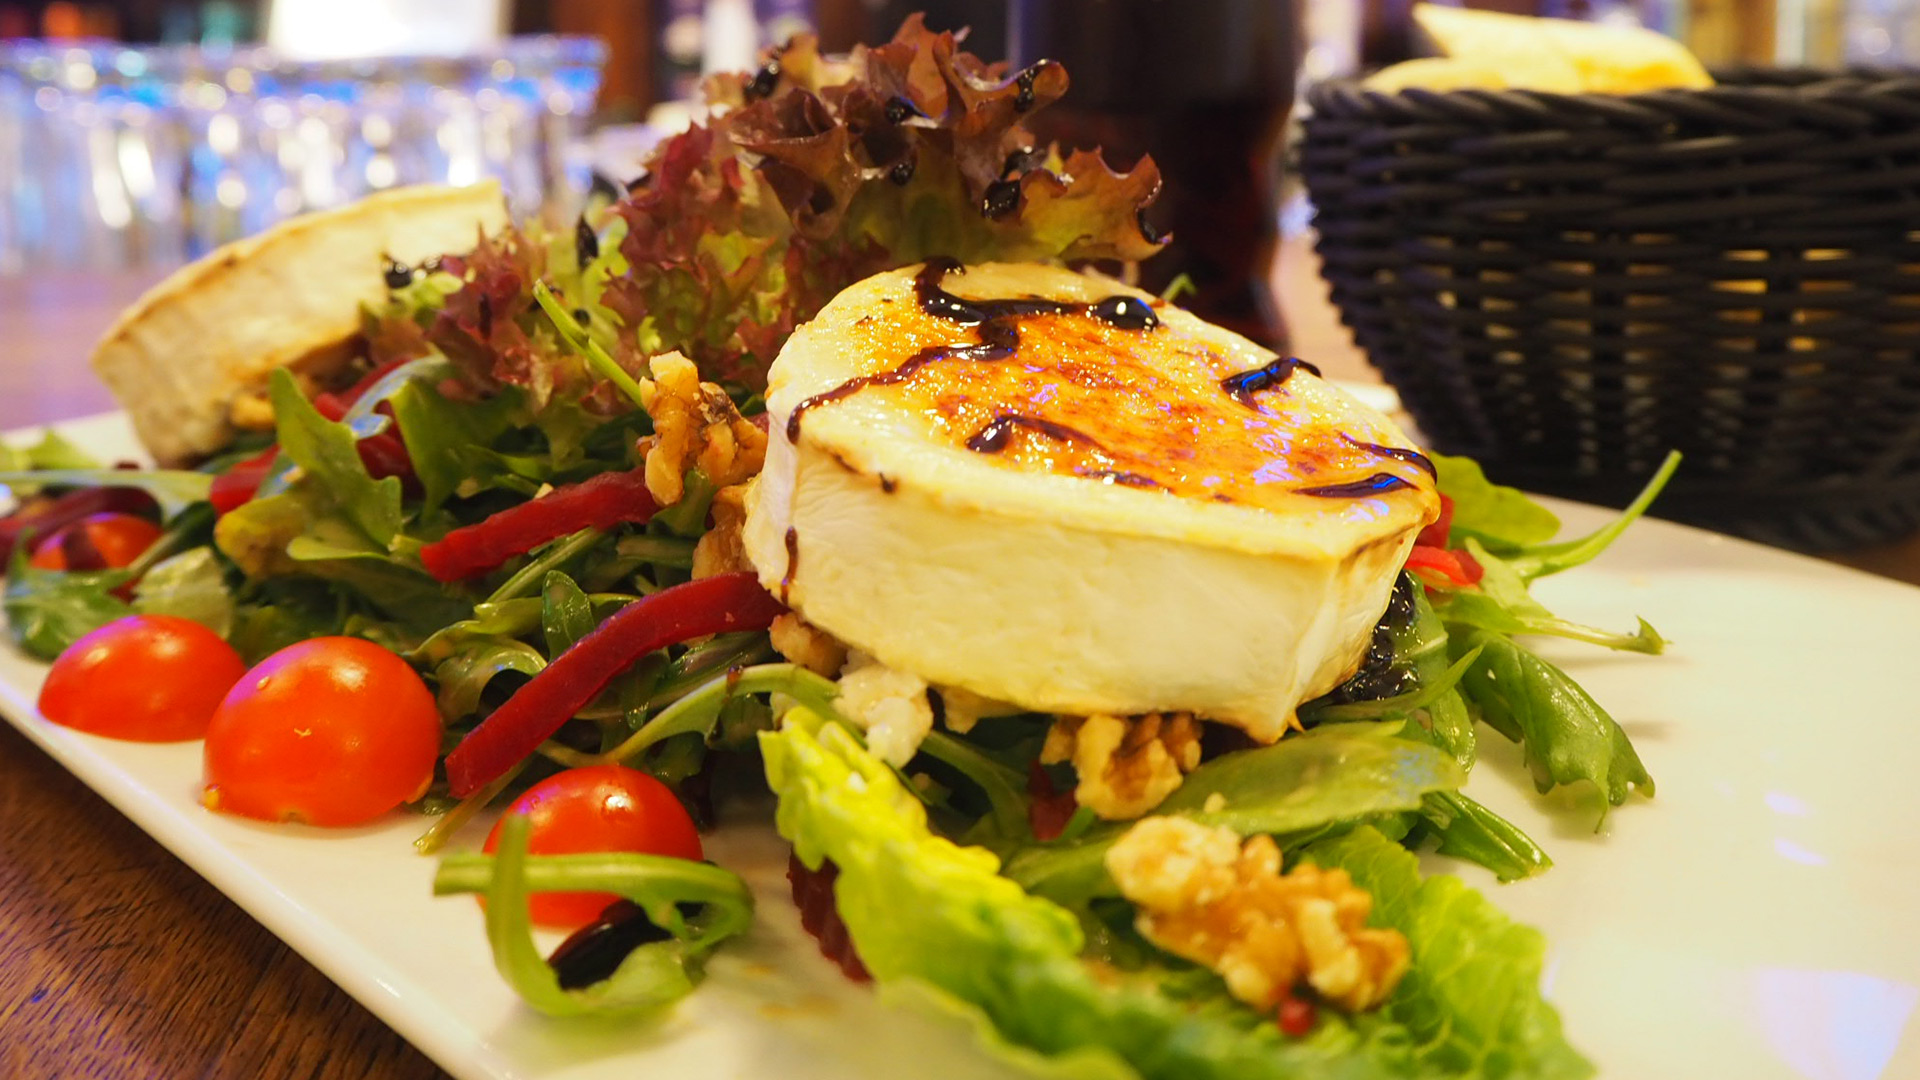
1755, 920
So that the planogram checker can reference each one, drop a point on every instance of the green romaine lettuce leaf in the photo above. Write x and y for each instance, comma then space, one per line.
934, 917
1472, 998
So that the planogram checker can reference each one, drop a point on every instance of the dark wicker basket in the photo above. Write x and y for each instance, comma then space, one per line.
1565, 287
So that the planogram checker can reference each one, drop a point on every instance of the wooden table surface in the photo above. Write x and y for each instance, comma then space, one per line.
115, 959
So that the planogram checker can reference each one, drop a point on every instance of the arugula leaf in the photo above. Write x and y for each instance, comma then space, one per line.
1566, 735
1421, 643
591, 351
1472, 832
1502, 603
566, 613
48, 610
191, 585
272, 614
1541, 560
1498, 515
256, 534
445, 438
327, 452
414, 602
1004, 787
652, 975
1397, 707
464, 674
546, 560
1472, 998
173, 489
1296, 787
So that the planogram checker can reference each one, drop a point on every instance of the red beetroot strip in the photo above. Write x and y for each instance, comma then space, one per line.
605, 501
813, 895
714, 605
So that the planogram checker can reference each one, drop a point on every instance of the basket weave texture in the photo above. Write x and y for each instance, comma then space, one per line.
1566, 287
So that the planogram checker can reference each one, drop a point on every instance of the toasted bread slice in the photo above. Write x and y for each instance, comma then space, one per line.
197, 348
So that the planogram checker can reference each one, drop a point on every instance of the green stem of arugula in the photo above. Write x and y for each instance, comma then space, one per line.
465, 810
699, 710
531, 575
1545, 559
189, 522
577, 340
754, 649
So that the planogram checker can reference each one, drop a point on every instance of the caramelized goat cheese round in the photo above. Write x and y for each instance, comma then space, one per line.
1054, 491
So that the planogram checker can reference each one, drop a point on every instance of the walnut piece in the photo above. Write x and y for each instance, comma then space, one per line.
694, 426
1126, 766
720, 550
802, 642
1205, 896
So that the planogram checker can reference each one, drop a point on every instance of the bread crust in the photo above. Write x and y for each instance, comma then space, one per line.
209, 334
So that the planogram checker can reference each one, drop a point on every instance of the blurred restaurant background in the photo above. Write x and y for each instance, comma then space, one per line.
142, 133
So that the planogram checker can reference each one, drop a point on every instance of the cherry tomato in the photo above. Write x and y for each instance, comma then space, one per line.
96, 542
599, 808
332, 731
147, 678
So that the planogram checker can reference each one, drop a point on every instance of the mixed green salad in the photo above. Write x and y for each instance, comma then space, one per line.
510, 493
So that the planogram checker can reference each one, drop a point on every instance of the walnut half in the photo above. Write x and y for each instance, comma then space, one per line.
1126, 766
1205, 896
694, 425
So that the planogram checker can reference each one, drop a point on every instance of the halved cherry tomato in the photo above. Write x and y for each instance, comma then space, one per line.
331, 731
599, 808
146, 678
96, 542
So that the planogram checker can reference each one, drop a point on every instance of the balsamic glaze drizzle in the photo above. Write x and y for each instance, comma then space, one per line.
793, 563
996, 323
1411, 457
1378, 484
1125, 313
1241, 386
994, 437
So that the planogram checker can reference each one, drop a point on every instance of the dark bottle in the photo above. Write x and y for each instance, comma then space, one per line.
1204, 86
